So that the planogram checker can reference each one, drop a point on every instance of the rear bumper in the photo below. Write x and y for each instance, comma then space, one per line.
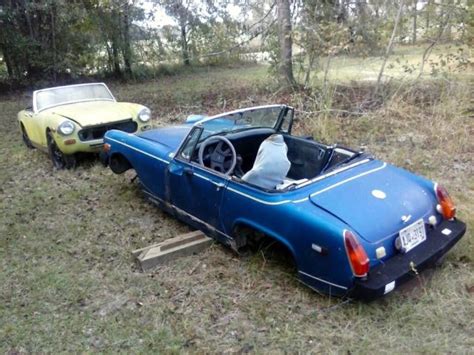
400, 268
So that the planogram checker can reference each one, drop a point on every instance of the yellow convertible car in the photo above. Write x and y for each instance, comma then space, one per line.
66, 120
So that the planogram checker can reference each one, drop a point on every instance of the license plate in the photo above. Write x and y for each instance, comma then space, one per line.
413, 235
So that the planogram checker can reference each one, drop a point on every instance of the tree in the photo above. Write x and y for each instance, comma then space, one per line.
186, 16
286, 43
415, 15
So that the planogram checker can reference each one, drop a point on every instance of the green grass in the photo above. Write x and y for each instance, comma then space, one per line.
403, 63
70, 284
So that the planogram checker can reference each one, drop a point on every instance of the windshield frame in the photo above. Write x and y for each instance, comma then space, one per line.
35, 94
283, 112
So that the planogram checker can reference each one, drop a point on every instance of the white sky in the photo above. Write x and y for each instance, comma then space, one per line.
162, 19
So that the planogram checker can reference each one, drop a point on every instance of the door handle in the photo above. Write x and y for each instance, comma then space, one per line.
219, 186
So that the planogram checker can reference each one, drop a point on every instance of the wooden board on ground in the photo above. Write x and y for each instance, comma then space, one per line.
170, 249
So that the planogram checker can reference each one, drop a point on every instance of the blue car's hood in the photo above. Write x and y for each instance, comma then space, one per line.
373, 203
168, 136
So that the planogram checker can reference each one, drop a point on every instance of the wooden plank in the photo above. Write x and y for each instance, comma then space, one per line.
179, 239
170, 249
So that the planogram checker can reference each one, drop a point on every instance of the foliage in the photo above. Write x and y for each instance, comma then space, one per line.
60, 40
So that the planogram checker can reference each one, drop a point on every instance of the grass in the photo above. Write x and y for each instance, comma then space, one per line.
69, 283
404, 63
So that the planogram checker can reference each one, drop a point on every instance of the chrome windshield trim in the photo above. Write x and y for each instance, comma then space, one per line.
237, 111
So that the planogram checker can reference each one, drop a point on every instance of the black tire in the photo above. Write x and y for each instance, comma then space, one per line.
26, 139
59, 159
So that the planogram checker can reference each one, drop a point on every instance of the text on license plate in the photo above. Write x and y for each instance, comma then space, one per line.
412, 235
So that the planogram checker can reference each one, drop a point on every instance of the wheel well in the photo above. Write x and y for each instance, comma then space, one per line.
48, 131
22, 127
119, 164
249, 238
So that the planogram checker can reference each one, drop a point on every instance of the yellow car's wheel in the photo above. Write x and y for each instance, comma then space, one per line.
26, 139
59, 159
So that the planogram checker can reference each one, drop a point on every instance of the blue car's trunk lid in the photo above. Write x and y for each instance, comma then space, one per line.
377, 202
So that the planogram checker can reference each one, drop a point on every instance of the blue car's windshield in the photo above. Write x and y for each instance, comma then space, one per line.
260, 117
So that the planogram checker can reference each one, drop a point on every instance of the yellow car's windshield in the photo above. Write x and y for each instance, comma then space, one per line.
71, 94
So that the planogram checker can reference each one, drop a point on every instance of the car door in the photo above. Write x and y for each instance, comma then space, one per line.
196, 190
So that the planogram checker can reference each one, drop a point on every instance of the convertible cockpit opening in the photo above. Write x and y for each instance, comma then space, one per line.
238, 155
252, 147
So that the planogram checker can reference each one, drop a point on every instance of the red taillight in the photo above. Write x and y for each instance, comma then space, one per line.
448, 210
356, 254
106, 147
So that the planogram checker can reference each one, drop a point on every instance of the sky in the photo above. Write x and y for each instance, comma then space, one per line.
162, 19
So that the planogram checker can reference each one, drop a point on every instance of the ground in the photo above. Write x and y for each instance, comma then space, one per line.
69, 282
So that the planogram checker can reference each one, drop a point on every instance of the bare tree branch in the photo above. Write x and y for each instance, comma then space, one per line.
427, 51
228, 50
389, 46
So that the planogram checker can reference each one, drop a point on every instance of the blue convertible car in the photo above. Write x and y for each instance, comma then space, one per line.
355, 226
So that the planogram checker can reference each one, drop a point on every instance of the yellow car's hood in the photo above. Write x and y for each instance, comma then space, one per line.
93, 113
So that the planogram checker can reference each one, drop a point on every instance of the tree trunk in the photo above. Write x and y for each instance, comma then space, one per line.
389, 46
126, 48
53, 40
110, 59
414, 20
184, 44
363, 19
115, 57
8, 62
427, 9
28, 21
286, 43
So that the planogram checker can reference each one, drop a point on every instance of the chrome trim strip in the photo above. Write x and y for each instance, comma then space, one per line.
327, 282
257, 199
188, 214
219, 184
313, 194
276, 203
334, 172
139, 150
349, 179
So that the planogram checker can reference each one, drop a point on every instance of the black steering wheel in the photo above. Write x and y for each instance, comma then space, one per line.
222, 158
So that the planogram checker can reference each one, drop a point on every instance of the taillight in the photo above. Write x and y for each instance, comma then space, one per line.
448, 210
356, 254
106, 147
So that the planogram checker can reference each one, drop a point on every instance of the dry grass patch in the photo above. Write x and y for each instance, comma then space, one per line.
70, 284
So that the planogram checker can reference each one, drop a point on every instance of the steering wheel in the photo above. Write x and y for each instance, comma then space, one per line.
222, 159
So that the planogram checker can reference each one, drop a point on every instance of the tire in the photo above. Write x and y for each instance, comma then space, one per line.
59, 159
25, 138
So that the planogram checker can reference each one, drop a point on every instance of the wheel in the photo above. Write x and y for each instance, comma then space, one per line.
59, 159
26, 139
